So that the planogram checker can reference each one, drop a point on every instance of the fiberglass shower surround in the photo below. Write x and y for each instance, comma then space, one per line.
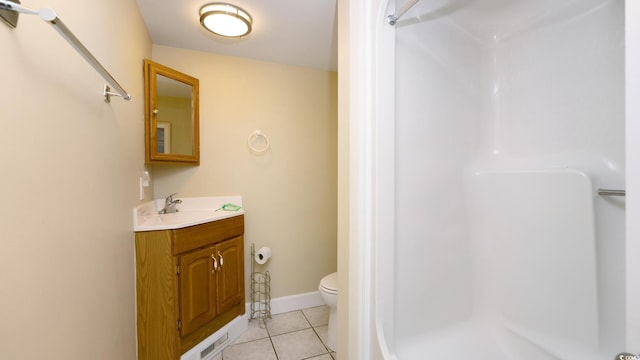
509, 115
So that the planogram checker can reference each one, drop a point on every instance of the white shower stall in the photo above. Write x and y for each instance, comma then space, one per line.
497, 122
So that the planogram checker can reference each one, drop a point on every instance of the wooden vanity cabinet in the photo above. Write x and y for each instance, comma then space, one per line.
209, 283
190, 283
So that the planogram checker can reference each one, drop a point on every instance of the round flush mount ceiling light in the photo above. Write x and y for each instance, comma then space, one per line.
225, 20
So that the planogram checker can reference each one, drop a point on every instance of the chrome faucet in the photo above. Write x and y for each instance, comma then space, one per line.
170, 205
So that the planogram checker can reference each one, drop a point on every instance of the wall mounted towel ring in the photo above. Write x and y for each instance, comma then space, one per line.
260, 138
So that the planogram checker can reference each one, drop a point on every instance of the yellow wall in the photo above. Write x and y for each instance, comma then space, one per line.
290, 192
70, 165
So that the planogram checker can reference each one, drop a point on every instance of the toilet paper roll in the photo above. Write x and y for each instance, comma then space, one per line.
262, 255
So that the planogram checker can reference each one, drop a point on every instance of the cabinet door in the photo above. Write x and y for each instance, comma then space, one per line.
197, 289
230, 277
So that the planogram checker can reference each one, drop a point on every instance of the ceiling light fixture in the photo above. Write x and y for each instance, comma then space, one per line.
225, 20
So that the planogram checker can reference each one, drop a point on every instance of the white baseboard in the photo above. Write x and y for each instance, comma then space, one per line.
295, 302
240, 324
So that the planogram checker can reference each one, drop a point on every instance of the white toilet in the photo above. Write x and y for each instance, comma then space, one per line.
329, 291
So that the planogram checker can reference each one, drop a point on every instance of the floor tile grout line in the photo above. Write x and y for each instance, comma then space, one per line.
266, 328
311, 326
306, 318
274, 348
322, 342
316, 332
292, 331
309, 321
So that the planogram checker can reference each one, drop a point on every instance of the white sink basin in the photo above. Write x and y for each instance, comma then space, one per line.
192, 211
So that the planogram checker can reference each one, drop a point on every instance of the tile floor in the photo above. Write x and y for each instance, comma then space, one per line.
295, 335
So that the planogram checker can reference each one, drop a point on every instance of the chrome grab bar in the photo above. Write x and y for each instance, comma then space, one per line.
611, 192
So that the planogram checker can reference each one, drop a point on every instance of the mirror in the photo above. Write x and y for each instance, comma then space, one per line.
171, 116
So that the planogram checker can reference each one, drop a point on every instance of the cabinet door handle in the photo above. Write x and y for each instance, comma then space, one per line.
215, 263
221, 259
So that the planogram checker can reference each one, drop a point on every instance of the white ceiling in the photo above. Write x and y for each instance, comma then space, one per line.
295, 32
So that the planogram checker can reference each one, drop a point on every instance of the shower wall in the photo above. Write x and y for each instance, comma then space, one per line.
439, 115
514, 86
559, 86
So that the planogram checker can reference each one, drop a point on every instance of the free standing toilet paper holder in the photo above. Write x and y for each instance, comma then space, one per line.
260, 291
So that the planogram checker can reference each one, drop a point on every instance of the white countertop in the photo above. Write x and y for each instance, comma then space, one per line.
192, 211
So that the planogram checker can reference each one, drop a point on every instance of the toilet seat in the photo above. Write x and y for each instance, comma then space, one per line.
329, 283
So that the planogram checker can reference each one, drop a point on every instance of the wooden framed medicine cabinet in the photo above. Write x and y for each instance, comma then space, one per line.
172, 117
